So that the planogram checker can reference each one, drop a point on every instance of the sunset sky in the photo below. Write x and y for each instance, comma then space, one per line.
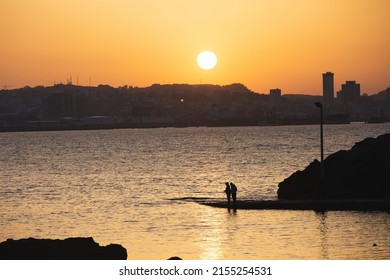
263, 44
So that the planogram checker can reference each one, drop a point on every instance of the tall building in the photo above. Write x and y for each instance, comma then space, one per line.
275, 96
349, 93
328, 88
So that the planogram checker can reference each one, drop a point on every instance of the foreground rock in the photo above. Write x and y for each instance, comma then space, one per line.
67, 249
175, 258
360, 173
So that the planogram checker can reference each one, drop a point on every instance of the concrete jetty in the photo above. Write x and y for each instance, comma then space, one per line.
315, 205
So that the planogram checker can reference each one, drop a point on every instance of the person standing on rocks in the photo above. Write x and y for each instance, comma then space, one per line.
233, 190
228, 192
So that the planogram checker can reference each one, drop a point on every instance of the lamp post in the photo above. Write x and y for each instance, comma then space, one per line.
319, 105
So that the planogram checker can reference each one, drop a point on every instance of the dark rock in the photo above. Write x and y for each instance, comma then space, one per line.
360, 173
67, 249
175, 258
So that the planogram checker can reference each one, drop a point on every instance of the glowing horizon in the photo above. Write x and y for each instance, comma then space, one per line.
261, 44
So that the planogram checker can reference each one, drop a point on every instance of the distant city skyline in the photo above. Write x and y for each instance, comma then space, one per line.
261, 44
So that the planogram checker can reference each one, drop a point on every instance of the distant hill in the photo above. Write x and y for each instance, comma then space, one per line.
380, 96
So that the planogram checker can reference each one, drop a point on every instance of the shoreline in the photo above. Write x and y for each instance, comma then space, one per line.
63, 126
313, 205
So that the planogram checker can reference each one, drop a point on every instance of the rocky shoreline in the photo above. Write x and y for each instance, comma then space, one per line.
355, 180
76, 248
359, 173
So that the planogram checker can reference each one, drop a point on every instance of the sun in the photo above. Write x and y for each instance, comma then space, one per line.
207, 60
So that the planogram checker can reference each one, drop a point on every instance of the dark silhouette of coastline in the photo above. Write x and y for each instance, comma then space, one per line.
71, 107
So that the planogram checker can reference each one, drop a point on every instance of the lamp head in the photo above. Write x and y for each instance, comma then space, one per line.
318, 104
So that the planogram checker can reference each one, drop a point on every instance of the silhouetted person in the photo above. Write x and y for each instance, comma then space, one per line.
233, 190
228, 192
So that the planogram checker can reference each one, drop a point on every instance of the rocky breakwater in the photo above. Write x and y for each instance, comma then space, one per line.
67, 249
363, 172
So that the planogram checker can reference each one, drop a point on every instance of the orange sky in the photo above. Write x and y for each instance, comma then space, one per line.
261, 43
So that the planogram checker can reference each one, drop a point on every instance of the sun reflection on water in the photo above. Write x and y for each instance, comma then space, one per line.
211, 235
323, 228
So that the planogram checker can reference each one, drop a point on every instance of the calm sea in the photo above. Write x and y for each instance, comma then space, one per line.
125, 186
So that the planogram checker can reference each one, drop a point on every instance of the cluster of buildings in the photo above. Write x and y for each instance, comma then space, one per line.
358, 107
349, 93
348, 103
